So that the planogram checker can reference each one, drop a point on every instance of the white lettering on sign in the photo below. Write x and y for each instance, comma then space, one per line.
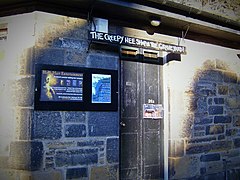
129, 40
106, 37
125, 40
97, 35
113, 38
171, 48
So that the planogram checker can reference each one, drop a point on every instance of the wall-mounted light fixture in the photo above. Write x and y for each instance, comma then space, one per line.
155, 21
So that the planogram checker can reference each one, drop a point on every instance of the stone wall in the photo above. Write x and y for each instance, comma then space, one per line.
204, 137
217, 8
57, 144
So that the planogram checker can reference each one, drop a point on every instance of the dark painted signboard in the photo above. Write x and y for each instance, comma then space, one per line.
137, 42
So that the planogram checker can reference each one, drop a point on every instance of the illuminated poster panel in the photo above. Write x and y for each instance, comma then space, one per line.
61, 86
101, 88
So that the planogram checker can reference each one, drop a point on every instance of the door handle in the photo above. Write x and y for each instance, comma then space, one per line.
122, 124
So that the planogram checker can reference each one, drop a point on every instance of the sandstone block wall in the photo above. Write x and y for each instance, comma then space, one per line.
53, 144
204, 136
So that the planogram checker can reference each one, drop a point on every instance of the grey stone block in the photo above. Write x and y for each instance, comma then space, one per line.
214, 110
69, 43
75, 130
103, 124
201, 140
210, 157
49, 56
199, 128
46, 125
202, 121
53, 145
102, 61
219, 100
207, 92
218, 176
75, 117
200, 148
75, 58
76, 157
221, 145
113, 150
76, 173
202, 104
91, 143
222, 119
237, 142
232, 132
221, 137
203, 170
210, 101
233, 174
236, 121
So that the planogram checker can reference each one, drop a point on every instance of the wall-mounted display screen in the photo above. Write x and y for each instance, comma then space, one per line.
64, 88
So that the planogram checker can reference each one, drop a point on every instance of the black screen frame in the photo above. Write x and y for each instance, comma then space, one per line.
84, 105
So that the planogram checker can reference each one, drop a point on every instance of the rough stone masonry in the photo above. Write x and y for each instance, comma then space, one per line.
210, 138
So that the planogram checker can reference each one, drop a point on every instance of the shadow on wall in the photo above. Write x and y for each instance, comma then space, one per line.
72, 144
214, 101
212, 127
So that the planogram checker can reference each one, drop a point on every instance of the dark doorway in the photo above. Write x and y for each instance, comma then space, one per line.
141, 139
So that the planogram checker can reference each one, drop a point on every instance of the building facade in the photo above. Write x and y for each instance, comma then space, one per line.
177, 100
